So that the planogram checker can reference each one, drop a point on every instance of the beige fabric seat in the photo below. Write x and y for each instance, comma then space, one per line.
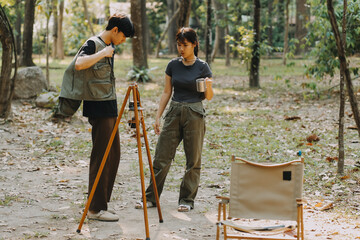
263, 191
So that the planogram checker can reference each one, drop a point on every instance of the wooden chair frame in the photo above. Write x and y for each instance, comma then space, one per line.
224, 202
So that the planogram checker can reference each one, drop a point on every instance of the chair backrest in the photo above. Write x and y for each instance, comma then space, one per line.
264, 191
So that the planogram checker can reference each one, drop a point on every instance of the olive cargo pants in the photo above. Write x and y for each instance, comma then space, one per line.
183, 122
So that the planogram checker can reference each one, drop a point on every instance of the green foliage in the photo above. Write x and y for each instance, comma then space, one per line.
243, 41
321, 38
140, 74
243, 45
157, 18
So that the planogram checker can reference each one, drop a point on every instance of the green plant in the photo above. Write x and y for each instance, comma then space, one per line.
140, 74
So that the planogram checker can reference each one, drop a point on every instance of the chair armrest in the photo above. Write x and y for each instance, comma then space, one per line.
223, 199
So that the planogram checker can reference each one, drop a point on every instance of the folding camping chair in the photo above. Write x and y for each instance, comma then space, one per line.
263, 191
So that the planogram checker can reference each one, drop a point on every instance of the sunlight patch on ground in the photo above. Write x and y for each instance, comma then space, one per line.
181, 216
232, 110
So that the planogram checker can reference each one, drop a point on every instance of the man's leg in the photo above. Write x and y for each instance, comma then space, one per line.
101, 132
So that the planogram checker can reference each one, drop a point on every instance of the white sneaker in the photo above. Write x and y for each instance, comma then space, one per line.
140, 205
103, 216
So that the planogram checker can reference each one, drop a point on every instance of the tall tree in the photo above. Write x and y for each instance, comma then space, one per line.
48, 11
270, 22
60, 39
8, 51
55, 27
172, 16
87, 17
340, 169
236, 14
286, 33
302, 17
138, 10
255, 59
167, 27
208, 32
343, 64
219, 44
29, 19
19, 20
227, 44
184, 14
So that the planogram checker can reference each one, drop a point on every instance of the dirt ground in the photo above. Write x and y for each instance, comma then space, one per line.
43, 185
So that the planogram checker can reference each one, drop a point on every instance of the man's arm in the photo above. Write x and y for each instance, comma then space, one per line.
86, 61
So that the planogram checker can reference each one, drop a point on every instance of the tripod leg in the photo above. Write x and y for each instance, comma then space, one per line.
103, 161
140, 162
150, 164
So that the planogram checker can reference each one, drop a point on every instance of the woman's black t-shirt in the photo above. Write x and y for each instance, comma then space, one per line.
97, 109
183, 79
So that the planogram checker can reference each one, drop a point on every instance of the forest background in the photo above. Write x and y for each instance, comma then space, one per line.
278, 90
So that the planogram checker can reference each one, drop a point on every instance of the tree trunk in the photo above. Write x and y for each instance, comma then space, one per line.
60, 41
343, 64
165, 31
270, 23
28, 33
219, 44
138, 46
302, 17
255, 60
185, 8
237, 22
227, 45
8, 51
18, 23
340, 169
172, 7
87, 17
208, 32
286, 34
278, 36
48, 14
55, 28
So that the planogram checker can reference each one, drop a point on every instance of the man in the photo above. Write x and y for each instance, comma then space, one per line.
90, 77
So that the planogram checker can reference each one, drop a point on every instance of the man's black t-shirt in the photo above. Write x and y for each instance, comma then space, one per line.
97, 109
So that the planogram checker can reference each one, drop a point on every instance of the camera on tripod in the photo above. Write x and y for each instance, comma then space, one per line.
132, 122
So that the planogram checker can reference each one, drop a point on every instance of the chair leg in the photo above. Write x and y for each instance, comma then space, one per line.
218, 225
224, 217
300, 222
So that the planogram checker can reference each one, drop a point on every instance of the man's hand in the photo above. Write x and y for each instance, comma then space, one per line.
108, 51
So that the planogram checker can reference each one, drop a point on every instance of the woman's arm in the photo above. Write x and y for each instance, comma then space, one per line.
84, 62
163, 102
209, 93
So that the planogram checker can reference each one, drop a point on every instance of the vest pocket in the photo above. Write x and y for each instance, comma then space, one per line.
100, 89
102, 70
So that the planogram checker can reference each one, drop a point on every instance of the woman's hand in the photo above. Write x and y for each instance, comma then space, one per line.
208, 82
157, 126
209, 93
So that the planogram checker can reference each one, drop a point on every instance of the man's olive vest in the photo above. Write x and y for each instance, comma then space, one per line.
96, 83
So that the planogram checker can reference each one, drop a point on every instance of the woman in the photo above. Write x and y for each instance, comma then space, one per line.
184, 120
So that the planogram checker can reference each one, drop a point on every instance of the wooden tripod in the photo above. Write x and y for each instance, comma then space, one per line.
138, 119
